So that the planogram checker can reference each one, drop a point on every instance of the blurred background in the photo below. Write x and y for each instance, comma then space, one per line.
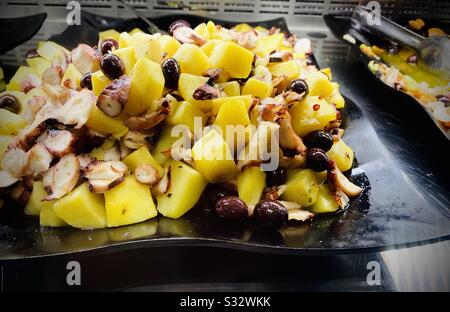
304, 17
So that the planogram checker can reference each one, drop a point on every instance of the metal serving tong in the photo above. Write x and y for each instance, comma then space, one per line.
433, 52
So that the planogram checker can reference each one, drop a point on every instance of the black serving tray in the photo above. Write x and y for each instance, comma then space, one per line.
340, 26
392, 212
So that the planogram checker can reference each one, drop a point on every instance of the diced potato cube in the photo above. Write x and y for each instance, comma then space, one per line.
164, 144
319, 84
147, 84
39, 64
186, 114
250, 185
101, 122
209, 46
148, 46
71, 74
289, 68
325, 202
186, 186
10, 123
242, 27
327, 72
301, 187
187, 84
217, 103
342, 154
213, 158
191, 59
51, 50
202, 30
129, 202
231, 88
99, 82
233, 113
310, 114
337, 100
82, 209
136, 30
267, 44
128, 58
35, 203
257, 88
233, 58
125, 40
109, 34
24, 72
48, 217
142, 156
169, 45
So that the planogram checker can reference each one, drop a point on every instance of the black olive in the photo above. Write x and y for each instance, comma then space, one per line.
10, 102
178, 23
231, 208
86, 81
109, 45
32, 53
319, 139
299, 86
270, 214
412, 59
393, 49
443, 99
171, 71
112, 66
276, 177
316, 159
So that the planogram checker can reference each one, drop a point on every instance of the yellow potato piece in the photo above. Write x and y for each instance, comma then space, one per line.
186, 186
164, 144
147, 46
301, 187
267, 44
101, 122
319, 84
217, 103
129, 202
233, 58
10, 123
4, 142
213, 159
21, 73
39, 64
169, 45
312, 113
82, 209
147, 84
125, 40
35, 203
71, 74
257, 88
186, 114
48, 217
187, 84
127, 56
99, 82
109, 34
191, 59
49, 50
142, 156
325, 202
231, 88
342, 154
250, 185
289, 68
233, 113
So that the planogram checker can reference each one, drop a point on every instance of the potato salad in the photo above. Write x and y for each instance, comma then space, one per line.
142, 125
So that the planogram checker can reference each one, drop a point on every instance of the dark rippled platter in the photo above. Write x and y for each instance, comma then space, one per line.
391, 212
